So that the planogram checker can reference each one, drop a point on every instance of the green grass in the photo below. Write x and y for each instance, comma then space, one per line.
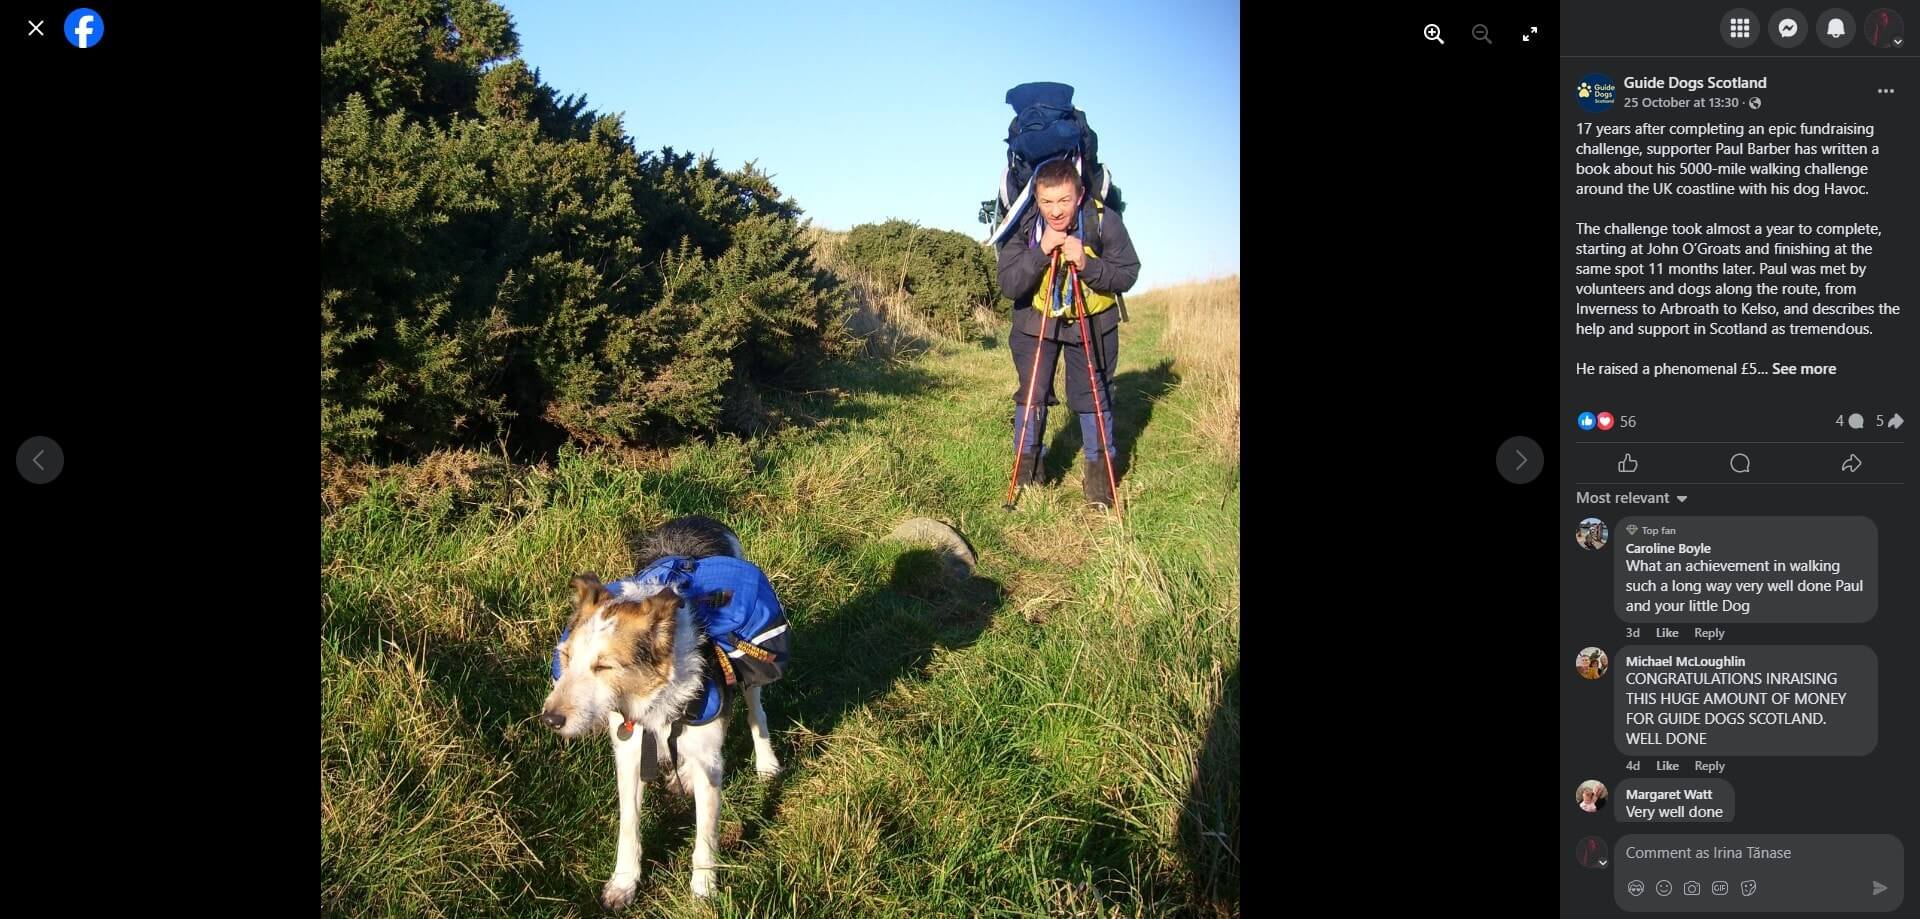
1060, 737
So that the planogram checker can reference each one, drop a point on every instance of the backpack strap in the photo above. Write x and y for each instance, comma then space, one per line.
1099, 215
1013, 213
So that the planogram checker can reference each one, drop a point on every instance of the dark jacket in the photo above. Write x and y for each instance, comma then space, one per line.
1111, 270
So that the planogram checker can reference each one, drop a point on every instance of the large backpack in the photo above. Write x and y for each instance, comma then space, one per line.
1045, 127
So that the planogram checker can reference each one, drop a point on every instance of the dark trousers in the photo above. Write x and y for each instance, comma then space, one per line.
1064, 343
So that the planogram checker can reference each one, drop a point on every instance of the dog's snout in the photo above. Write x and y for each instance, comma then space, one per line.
554, 719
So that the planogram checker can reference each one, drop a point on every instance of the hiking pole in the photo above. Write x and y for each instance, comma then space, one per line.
1093, 383
1026, 415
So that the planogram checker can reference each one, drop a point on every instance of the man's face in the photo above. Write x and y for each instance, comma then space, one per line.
1058, 204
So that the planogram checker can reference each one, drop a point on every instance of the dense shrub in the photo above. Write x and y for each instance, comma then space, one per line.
941, 274
492, 254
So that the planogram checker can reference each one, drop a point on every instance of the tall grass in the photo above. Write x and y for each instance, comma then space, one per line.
1203, 332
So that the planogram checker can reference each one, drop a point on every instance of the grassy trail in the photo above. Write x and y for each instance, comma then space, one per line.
1059, 736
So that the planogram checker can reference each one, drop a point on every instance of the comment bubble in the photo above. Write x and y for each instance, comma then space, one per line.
1691, 800
1746, 700
1745, 569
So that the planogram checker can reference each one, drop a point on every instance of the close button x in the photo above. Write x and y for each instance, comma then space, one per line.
33, 28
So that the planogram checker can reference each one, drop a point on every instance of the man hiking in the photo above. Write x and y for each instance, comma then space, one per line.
1066, 237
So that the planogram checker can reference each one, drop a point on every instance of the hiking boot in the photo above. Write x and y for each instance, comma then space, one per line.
1030, 471
1093, 483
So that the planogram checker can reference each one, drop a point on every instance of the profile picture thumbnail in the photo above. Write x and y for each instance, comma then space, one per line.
1591, 852
1591, 534
1591, 663
1594, 92
1591, 795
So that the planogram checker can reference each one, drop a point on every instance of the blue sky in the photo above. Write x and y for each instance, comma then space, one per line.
869, 110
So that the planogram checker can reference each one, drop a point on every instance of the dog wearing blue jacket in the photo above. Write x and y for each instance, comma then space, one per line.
654, 660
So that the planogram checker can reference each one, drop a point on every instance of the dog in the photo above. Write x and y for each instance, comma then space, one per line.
634, 663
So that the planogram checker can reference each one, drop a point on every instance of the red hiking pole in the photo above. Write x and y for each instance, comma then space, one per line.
1093, 382
1026, 415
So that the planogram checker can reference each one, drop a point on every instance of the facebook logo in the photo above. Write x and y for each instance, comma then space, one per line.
84, 28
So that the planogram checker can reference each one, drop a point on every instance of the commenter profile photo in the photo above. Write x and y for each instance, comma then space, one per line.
1591, 852
1591, 663
1591, 795
1591, 534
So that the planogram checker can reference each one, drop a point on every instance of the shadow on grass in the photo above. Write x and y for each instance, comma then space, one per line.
1134, 394
1099, 858
849, 655
1210, 820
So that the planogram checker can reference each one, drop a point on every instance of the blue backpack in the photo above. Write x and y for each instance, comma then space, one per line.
733, 604
1045, 124
1045, 127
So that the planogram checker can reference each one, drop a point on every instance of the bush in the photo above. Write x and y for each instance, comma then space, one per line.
493, 255
942, 275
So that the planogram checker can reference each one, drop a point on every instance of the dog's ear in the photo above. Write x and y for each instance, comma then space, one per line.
666, 609
588, 592
653, 622
663, 643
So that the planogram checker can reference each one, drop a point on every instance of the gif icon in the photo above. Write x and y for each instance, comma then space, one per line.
84, 28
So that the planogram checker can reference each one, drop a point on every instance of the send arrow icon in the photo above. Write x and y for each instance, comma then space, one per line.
1879, 888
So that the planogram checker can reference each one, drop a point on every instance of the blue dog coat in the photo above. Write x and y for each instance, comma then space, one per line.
734, 606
